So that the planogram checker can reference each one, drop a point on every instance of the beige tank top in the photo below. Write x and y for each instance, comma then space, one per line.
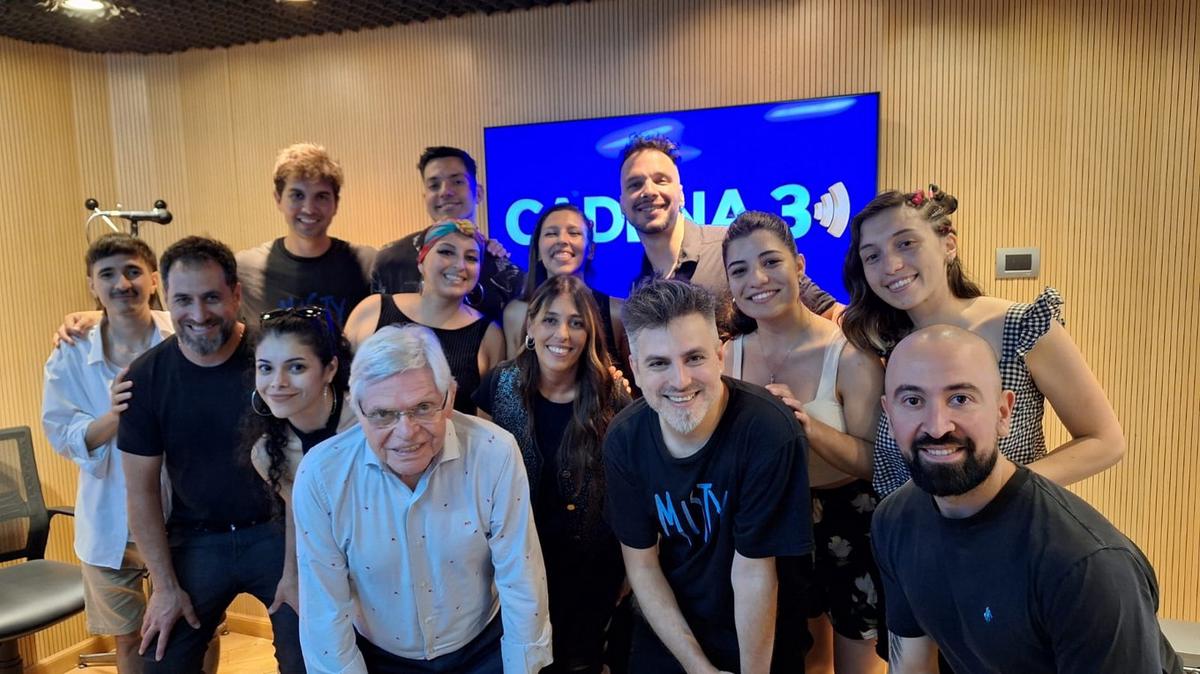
824, 407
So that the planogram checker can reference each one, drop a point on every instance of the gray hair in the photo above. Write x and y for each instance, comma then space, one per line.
395, 349
657, 302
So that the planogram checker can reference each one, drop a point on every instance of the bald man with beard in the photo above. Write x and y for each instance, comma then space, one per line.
1001, 569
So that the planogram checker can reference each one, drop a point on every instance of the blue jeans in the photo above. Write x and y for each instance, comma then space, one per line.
213, 568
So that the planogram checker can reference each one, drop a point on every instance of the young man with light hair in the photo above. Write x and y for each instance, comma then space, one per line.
306, 266
414, 533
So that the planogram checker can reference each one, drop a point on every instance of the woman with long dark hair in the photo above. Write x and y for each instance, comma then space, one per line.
449, 260
834, 389
562, 243
302, 369
557, 398
903, 272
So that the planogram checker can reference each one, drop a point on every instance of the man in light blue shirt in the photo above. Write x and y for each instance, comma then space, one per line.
415, 538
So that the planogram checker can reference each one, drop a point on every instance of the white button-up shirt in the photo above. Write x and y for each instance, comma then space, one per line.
78, 380
419, 572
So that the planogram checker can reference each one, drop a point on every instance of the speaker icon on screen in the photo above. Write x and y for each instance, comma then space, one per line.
833, 211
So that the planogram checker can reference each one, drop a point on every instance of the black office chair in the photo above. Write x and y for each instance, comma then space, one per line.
36, 593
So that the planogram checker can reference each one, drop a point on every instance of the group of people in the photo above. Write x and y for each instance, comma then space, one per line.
424, 460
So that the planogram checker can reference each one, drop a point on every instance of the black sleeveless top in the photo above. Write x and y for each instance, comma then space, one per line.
610, 335
461, 346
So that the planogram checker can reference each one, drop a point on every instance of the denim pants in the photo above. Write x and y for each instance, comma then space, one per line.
213, 568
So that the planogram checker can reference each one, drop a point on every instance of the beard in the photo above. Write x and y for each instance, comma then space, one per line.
681, 421
949, 479
206, 346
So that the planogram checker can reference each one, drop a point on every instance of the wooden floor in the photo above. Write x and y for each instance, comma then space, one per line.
240, 654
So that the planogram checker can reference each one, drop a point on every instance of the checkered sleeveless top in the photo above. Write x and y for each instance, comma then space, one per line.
1024, 325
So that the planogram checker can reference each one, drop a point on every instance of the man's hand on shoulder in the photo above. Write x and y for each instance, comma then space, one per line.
74, 326
122, 391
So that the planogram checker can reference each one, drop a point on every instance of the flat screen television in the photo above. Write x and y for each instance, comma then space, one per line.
814, 162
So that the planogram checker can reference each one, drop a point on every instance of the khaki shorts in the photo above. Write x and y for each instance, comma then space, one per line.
114, 601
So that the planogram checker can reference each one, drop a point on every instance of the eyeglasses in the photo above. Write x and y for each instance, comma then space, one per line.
310, 311
423, 413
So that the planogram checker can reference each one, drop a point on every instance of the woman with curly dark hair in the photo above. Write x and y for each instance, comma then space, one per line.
302, 369
557, 398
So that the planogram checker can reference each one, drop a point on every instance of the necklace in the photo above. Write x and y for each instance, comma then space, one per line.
777, 367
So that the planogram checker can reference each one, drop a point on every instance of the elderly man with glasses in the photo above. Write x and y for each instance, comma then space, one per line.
415, 538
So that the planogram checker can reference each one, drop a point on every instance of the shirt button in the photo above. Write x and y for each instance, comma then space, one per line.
570, 506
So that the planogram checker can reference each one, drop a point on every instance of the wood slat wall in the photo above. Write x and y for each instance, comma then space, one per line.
1068, 125
43, 264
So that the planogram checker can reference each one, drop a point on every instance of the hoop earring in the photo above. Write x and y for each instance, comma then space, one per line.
254, 405
529, 342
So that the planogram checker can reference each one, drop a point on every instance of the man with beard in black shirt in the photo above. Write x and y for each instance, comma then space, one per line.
189, 395
1000, 568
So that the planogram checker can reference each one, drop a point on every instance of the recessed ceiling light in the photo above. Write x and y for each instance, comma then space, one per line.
84, 5
89, 9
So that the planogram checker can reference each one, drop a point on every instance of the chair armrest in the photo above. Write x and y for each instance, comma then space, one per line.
69, 511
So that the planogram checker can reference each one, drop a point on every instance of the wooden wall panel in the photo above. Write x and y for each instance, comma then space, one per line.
42, 274
1065, 124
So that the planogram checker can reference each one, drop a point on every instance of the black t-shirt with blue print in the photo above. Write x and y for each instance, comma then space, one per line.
745, 490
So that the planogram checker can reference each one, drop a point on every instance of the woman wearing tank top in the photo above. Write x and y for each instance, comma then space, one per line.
562, 243
835, 390
449, 264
